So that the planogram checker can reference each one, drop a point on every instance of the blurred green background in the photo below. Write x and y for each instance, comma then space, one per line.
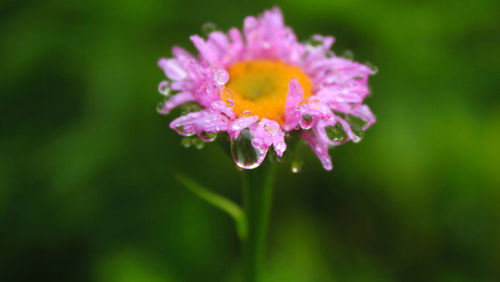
86, 164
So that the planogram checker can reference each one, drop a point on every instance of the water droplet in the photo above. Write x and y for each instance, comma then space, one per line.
180, 129
164, 88
227, 97
273, 157
208, 136
358, 131
160, 107
347, 54
357, 125
314, 42
221, 76
208, 28
195, 108
336, 132
247, 113
297, 166
372, 67
198, 143
186, 142
229, 103
245, 155
306, 121
271, 128
190, 107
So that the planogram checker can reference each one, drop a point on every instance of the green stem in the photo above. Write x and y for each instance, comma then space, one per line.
257, 197
220, 202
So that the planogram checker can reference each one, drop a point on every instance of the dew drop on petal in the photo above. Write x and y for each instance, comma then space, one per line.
271, 128
358, 131
245, 155
164, 88
336, 132
182, 131
208, 136
160, 107
247, 113
357, 125
273, 157
190, 108
297, 166
314, 42
372, 67
306, 121
208, 28
221, 76
229, 103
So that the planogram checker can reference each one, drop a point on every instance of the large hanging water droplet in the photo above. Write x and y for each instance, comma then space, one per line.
336, 132
208, 28
297, 166
245, 155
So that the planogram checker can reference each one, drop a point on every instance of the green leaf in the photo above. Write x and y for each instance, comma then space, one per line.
221, 202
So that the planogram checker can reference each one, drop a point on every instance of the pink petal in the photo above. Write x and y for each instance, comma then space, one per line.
240, 124
172, 69
207, 52
176, 100
319, 148
294, 97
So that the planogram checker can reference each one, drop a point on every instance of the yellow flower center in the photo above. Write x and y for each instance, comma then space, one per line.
260, 87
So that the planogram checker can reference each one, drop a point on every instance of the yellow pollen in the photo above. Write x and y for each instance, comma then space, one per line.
260, 87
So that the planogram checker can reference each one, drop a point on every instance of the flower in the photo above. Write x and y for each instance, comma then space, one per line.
263, 86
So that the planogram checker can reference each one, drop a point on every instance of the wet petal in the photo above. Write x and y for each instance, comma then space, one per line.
172, 69
294, 97
240, 124
319, 148
176, 100
207, 51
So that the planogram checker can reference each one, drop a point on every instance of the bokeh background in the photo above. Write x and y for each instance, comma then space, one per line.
86, 164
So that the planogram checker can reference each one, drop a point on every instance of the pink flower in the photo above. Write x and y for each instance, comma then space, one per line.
262, 86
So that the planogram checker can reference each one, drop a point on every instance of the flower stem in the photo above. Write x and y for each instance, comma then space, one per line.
257, 187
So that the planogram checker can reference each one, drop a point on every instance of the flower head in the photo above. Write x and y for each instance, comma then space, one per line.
263, 86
